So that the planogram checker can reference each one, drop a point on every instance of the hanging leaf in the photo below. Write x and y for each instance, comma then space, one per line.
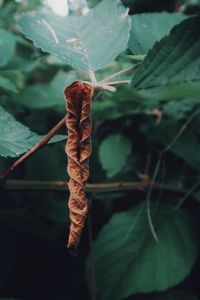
15, 138
171, 68
148, 28
87, 42
113, 153
7, 47
128, 260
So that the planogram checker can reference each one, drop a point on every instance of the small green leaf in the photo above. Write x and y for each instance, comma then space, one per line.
113, 153
7, 47
86, 42
128, 260
171, 68
16, 138
149, 28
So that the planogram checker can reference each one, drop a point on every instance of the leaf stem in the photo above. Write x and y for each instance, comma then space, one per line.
120, 73
92, 77
109, 86
118, 82
106, 87
40, 144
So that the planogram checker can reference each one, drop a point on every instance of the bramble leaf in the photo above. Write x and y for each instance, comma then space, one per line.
113, 153
131, 261
148, 28
86, 42
171, 68
16, 138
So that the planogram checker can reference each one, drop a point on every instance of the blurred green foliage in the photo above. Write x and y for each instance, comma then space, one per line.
148, 130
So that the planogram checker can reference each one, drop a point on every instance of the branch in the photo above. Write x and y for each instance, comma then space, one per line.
92, 188
40, 144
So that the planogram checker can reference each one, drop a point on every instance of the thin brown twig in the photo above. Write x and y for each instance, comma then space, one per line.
40, 144
93, 188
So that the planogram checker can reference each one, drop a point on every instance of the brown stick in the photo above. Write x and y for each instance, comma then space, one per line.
93, 188
40, 144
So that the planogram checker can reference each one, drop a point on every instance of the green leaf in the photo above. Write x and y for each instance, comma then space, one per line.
87, 42
7, 47
16, 138
46, 95
148, 28
113, 153
128, 260
6, 84
171, 68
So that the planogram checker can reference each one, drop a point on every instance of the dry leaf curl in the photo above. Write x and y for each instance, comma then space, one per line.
78, 148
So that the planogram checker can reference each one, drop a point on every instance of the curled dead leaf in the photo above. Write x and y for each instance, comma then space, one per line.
78, 148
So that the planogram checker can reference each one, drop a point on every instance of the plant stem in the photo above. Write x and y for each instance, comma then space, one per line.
109, 86
93, 188
92, 77
136, 57
40, 144
120, 73
106, 87
118, 82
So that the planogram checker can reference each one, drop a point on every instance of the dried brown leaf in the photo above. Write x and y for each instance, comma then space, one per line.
78, 148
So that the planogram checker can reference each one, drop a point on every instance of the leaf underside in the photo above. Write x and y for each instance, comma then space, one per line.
86, 42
